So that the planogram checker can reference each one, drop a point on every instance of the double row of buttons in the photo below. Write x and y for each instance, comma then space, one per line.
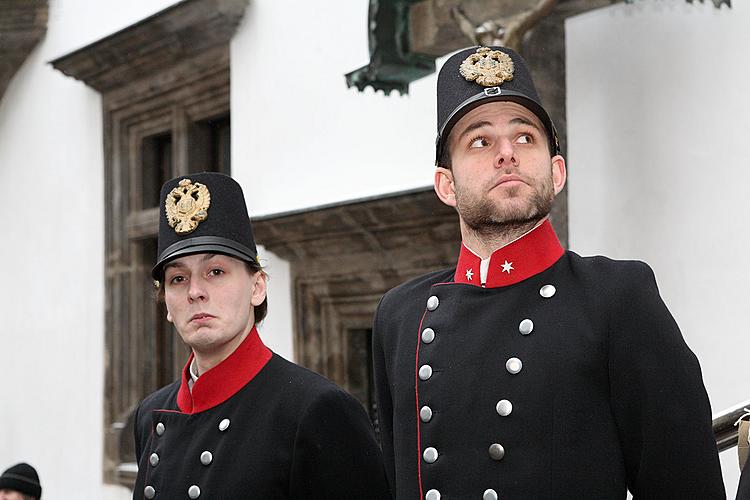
206, 458
503, 407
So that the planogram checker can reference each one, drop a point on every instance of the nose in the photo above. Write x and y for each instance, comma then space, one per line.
505, 156
197, 290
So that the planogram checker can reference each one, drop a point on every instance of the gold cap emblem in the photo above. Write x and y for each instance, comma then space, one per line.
187, 206
487, 67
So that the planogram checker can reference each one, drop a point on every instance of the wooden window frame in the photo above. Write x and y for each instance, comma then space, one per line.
162, 74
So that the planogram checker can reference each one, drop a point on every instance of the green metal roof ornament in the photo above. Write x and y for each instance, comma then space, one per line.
394, 63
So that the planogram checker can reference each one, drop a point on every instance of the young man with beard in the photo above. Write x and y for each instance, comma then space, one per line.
527, 371
243, 422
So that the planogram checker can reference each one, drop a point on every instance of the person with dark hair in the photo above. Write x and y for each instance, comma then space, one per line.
20, 482
242, 422
527, 371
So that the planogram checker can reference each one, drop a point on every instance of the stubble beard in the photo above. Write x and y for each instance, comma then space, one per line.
508, 219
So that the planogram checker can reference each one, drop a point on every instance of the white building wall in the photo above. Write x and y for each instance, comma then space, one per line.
658, 167
301, 138
656, 173
52, 297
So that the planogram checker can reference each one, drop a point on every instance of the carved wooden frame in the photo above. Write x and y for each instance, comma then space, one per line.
344, 257
159, 75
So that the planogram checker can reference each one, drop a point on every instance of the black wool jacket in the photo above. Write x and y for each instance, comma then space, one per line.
258, 428
564, 378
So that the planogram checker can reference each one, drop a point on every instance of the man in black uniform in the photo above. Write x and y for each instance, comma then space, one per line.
527, 371
242, 423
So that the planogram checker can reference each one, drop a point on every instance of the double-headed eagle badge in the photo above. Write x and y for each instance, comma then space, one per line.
487, 67
187, 206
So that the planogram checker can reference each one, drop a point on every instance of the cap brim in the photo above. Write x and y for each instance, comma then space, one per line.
481, 99
202, 244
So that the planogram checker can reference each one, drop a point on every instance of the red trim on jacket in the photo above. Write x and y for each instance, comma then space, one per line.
530, 254
225, 379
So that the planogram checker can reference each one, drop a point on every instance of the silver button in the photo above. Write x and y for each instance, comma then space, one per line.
154, 460
425, 413
526, 327
504, 407
489, 494
432, 303
194, 492
497, 452
206, 457
160, 427
224, 424
149, 492
430, 454
513, 365
425, 371
428, 335
432, 495
547, 291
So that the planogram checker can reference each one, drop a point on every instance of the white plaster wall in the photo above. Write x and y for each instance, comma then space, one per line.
658, 167
52, 298
276, 330
301, 138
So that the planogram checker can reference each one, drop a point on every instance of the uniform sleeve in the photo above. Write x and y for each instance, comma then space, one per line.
138, 435
658, 399
743, 490
335, 453
142, 427
383, 399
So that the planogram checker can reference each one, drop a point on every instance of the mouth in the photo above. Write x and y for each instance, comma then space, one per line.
509, 181
200, 317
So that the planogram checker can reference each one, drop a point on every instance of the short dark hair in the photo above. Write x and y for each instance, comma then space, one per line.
445, 160
261, 309
253, 267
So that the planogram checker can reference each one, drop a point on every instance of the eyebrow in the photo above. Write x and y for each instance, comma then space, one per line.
519, 120
523, 121
174, 263
473, 126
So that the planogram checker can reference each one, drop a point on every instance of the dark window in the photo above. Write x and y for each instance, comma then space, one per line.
178, 131
209, 145
359, 370
156, 165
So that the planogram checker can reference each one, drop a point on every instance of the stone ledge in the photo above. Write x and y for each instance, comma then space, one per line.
22, 24
162, 40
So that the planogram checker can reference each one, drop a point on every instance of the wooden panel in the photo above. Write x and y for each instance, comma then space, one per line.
142, 351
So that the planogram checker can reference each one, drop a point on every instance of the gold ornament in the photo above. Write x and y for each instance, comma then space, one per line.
487, 67
187, 206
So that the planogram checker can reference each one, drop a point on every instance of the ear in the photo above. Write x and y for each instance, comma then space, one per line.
259, 289
559, 174
445, 186
169, 316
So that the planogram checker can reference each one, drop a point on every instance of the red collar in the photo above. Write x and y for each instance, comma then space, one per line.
225, 379
530, 254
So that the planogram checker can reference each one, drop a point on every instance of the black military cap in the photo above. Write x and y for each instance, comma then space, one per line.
22, 478
203, 213
478, 75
